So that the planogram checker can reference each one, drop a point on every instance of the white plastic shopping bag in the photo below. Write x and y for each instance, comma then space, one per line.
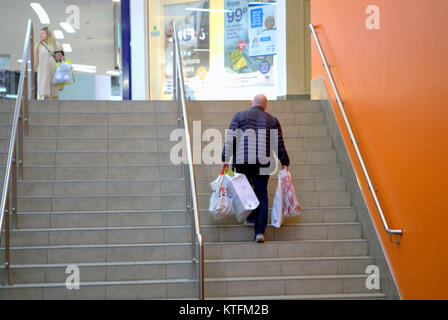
221, 202
244, 197
63, 74
285, 203
277, 217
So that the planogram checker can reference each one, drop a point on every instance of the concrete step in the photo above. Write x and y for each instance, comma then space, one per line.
81, 157
76, 254
148, 184
102, 172
354, 296
103, 202
96, 236
306, 106
170, 234
293, 139
290, 232
187, 289
287, 285
108, 290
104, 271
159, 270
85, 219
293, 145
6, 105
99, 166
137, 199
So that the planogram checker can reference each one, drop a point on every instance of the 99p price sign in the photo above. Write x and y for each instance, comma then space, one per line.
236, 15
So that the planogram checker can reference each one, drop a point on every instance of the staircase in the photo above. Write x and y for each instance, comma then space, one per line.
99, 191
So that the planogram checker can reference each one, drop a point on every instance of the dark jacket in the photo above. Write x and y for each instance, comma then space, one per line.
256, 119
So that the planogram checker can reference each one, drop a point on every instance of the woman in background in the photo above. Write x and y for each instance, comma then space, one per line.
46, 54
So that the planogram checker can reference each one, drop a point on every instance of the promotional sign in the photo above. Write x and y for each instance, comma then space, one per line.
193, 29
243, 68
263, 30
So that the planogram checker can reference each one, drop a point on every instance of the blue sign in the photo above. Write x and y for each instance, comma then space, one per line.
256, 18
265, 67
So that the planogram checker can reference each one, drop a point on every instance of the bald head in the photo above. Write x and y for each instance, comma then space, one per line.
260, 100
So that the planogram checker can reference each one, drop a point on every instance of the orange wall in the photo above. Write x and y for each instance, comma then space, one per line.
394, 82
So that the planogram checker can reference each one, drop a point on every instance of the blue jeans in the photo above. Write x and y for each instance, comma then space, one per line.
260, 185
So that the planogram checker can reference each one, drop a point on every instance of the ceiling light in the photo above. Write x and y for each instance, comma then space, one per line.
113, 73
67, 27
84, 68
41, 13
58, 34
67, 47
207, 10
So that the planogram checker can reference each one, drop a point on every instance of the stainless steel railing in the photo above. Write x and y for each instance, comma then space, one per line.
354, 141
16, 143
192, 197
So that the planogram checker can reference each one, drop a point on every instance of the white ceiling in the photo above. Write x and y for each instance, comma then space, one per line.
92, 45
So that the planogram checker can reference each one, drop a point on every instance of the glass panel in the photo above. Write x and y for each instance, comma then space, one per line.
86, 30
229, 48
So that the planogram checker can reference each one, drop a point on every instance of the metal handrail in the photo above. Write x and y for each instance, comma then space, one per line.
353, 140
17, 125
179, 94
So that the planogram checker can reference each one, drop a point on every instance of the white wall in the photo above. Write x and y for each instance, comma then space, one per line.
139, 50
281, 49
103, 87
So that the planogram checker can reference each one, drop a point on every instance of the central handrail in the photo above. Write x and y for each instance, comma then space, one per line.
353, 140
11, 166
179, 93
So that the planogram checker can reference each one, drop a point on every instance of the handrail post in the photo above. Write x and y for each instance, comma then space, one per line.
33, 80
26, 99
7, 241
14, 187
353, 140
21, 140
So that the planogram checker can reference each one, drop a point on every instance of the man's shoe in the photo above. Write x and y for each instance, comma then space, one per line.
249, 223
259, 238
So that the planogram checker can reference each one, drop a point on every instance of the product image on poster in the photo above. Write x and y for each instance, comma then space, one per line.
193, 28
243, 68
263, 30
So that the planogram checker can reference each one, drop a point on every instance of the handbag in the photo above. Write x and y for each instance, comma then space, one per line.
63, 75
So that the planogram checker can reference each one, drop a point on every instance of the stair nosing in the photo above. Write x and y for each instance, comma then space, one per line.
186, 244
172, 262
160, 194
304, 297
97, 283
280, 278
157, 211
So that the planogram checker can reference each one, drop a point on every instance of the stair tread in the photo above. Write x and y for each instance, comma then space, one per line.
97, 283
168, 281
304, 297
273, 278
157, 194
177, 227
156, 211
171, 262
223, 243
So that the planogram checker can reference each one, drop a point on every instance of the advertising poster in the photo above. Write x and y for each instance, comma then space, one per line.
263, 30
242, 68
193, 24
